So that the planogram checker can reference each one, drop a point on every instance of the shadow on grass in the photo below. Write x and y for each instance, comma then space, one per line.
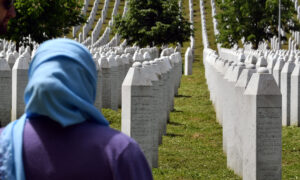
175, 124
174, 135
183, 96
176, 111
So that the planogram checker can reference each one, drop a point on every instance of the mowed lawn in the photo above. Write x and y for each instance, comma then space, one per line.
192, 147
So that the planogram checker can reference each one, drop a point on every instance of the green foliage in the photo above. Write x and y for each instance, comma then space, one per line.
254, 20
153, 22
43, 19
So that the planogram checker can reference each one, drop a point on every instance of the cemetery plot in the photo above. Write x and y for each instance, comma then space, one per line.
254, 92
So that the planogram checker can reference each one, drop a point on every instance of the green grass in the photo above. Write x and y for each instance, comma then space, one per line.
192, 147
114, 118
291, 153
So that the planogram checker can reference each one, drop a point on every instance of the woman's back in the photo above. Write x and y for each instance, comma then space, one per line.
85, 151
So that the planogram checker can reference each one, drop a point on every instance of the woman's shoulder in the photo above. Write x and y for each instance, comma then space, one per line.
88, 133
116, 140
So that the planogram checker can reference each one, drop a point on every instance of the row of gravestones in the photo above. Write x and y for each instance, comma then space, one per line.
263, 45
115, 41
161, 87
112, 65
192, 38
90, 21
215, 22
98, 27
13, 76
248, 105
104, 39
213, 15
285, 68
293, 43
203, 25
296, 37
94, 40
115, 10
82, 37
147, 98
83, 12
275, 43
189, 53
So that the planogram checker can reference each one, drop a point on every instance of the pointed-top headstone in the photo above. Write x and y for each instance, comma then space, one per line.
103, 62
135, 76
21, 63
262, 62
3, 64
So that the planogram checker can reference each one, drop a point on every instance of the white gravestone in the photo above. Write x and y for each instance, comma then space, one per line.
106, 80
164, 77
156, 103
137, 115
98, 101
233, 118
188, 64
271, 63
295, 96
161, 94
285, 87
19, 83
114, 77
277, 70
11, 60
219, 87
120, 69
262, 62
5, 92
263, 147
239, 127
227, 88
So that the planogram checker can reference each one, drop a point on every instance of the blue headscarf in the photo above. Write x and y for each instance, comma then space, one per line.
62, 85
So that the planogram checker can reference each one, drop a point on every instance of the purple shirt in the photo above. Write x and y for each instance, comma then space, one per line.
83, 151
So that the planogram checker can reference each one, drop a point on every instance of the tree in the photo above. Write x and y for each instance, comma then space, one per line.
253, 20
153, 22
43, 19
